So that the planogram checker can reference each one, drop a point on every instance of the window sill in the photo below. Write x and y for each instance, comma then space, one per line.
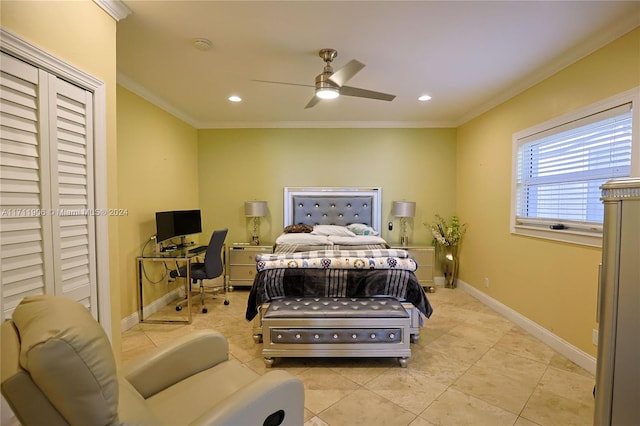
591, 239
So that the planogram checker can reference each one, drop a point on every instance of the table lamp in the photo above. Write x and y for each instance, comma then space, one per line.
404, 210
256, 210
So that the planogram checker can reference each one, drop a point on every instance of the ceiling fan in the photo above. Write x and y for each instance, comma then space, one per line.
330, 84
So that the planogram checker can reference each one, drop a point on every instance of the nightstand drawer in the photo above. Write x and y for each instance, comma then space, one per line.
425, 258
243, 257
242, 263
424, 273
242, 272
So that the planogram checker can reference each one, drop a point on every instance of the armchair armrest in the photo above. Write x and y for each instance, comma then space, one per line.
251, 405
171, 363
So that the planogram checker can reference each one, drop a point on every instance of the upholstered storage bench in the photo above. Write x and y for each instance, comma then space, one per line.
336, 327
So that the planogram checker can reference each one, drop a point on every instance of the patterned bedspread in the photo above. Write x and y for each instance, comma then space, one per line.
338, 259
287, 281
296, 248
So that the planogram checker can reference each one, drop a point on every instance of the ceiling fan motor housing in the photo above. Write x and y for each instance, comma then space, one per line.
323, 81
328, 55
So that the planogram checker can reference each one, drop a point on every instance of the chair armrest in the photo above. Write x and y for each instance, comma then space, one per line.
173, 362
251, 405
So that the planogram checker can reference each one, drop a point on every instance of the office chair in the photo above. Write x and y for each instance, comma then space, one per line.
212, 267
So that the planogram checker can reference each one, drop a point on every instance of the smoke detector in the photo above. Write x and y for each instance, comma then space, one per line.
202, 44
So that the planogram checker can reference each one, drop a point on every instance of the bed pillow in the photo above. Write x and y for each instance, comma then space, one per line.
356, 240
340, 231
303, 238
362, 229
298, 228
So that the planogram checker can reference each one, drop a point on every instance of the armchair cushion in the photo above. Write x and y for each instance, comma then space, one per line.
69, 358
203, 348
239, 398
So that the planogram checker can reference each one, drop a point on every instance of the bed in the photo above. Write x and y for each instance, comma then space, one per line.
331, 247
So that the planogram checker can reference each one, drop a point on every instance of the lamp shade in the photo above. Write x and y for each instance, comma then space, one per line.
404, 209
255, 208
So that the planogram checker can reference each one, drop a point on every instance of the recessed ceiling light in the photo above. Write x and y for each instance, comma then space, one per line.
424, 98
235, 98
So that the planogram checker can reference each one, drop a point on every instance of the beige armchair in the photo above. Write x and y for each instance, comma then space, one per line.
58, 369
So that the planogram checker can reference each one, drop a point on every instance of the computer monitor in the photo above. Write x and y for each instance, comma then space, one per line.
177, 223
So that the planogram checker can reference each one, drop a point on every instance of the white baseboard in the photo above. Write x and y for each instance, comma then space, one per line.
560, 345
153, 307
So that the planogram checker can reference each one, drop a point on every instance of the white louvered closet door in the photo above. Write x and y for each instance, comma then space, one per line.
73, 218
47, 222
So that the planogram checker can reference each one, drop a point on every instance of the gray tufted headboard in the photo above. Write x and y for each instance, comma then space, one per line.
333, 206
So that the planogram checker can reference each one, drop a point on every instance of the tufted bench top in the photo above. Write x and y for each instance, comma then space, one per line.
329, 307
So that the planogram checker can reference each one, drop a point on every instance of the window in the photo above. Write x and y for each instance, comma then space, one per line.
559, 167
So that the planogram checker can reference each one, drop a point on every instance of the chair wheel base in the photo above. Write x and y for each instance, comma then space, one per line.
205, 310
178, 308
226, 302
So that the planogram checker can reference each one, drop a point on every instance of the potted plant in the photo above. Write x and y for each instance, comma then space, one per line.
447, 238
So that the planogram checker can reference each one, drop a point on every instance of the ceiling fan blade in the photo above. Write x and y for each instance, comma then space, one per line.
345, 73
314, 100
364, 93
283, 82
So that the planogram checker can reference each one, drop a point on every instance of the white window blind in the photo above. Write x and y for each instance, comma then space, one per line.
560, 170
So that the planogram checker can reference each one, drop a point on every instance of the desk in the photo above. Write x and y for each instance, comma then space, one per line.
179, 256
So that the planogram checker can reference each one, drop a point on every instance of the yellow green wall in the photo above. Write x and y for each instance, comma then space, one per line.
157, 171
84, 35
238, 165
551, 283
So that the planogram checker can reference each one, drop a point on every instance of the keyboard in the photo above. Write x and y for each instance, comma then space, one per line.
198, 249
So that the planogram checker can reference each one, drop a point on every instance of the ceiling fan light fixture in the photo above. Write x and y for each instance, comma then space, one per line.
327, 93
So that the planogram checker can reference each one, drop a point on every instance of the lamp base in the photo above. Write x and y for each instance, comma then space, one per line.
404, 241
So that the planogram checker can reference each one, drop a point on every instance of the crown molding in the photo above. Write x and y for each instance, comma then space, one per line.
146, 94
326, 125
116, 8
570, 57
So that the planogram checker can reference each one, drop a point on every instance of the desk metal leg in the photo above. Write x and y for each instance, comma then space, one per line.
189, 288
140, 281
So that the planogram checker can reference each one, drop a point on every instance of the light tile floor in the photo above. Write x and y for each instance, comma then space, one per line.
471, 366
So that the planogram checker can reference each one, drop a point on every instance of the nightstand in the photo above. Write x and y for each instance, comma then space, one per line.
242, 263
425, 258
